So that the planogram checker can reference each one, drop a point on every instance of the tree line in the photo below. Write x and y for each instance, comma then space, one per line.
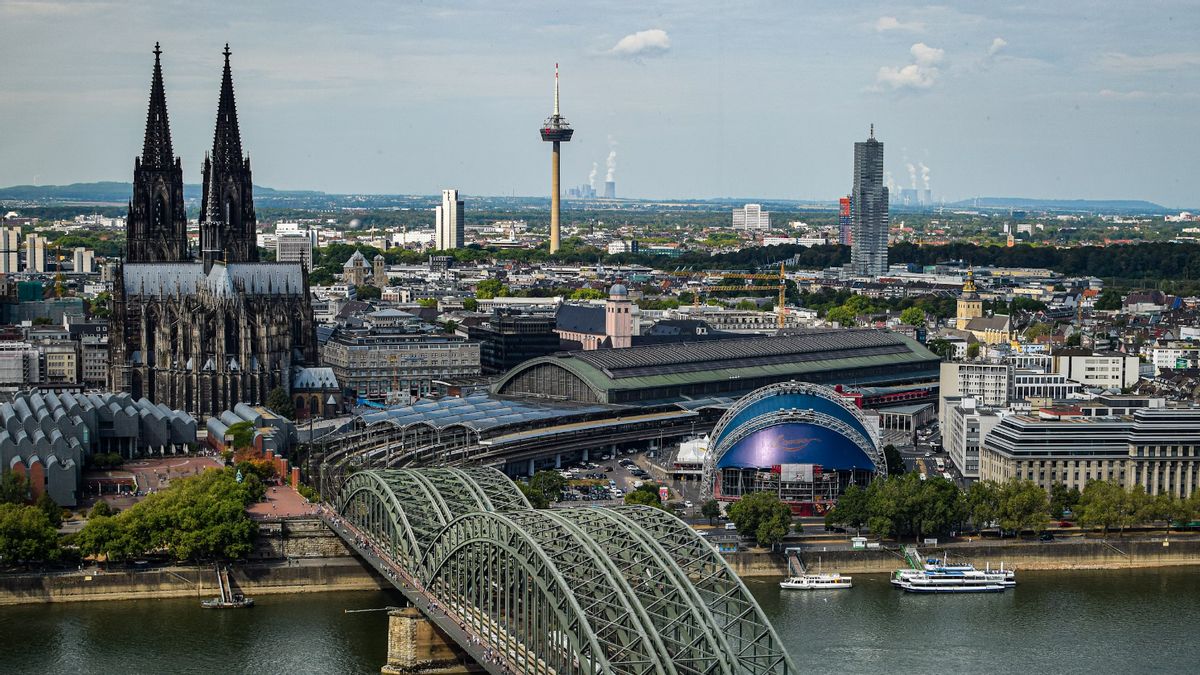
906, 506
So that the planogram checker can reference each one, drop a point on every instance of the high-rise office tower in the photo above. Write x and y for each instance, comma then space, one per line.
751, 217
84, 260
35, 253
448, 226
869, 198
10, 249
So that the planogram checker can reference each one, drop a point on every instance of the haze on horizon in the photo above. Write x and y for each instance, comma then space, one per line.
698, 99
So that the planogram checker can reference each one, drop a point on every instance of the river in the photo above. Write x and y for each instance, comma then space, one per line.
1054, 622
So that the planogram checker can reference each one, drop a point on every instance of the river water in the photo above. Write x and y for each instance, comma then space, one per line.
1094, 622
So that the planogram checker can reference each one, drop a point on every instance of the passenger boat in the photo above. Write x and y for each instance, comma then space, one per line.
940, 577
813, 582
934, 568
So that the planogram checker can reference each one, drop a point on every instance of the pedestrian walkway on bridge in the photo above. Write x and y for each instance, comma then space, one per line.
626, 590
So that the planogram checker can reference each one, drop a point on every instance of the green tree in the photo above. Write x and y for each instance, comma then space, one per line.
1023, 506
852, 509
763, 516
14, 488
491, 288
536, 499
196, 518
710, 509
983, 503
1107, 505
913, 316
943, 348
242, 434
549, 484
1062, 499
280, 403
428, 303
645, 495
471, 304
54, 512
99, 306
26, 534
100, 508
842, 316
367, 292
973, 350
587, 294
1109, 300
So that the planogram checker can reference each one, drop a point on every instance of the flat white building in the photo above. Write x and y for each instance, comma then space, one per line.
1175, 354
294, 247
751, 217
964, 429
1108, 370
449, 226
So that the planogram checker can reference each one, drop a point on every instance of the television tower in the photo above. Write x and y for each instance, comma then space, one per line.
556, 130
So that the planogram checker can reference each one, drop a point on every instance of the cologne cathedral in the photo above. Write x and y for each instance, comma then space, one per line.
203, 334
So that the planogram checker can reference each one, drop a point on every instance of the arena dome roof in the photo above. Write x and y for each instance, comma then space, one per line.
794, 423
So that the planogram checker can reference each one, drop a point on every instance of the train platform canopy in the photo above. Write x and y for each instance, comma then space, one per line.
478, 411
695, 370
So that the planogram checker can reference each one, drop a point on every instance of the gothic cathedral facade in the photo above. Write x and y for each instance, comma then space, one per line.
203, 335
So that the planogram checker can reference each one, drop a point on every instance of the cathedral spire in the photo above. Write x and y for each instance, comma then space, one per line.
227, 139
156, 151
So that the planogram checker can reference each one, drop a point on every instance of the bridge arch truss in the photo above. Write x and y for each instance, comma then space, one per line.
630, 591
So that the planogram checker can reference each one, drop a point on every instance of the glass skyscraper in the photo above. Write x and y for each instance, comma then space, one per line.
868, 254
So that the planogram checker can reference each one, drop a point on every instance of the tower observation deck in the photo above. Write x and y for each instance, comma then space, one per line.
555, 130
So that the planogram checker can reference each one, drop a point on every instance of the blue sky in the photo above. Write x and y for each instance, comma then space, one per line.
701, 99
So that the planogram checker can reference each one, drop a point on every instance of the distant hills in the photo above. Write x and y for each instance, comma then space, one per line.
112, 192
1067, 205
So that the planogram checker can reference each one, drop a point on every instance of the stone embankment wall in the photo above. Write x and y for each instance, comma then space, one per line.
1057, 555
290, 556
254, 579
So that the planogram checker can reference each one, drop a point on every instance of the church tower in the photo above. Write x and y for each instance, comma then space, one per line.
228, 226
969, 304
156, 228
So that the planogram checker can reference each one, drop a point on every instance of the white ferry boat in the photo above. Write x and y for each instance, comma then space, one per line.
939, 577
813, 582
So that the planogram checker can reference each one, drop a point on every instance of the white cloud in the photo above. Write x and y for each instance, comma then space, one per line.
925, 55
886, 23
1167, 61
653, 42
996, 46
1124, 95
921, 74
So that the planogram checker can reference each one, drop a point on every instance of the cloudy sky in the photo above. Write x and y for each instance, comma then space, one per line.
1094, 99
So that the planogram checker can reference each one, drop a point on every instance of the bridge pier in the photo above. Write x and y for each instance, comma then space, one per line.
416, 645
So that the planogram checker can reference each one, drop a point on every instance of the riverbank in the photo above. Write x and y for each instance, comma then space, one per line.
1022, 555
252, 579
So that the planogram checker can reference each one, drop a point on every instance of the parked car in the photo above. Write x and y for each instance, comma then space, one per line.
1046, 536
730, 526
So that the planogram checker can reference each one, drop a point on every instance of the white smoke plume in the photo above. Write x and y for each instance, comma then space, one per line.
892, 186
592, 175
912, 174
924, 174
611, 162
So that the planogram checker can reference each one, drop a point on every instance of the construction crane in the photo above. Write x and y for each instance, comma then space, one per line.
780, 285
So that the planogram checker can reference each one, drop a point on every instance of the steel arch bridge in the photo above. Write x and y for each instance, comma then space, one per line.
627, 590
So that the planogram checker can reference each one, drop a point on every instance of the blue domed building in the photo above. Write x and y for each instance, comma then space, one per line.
804, 442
